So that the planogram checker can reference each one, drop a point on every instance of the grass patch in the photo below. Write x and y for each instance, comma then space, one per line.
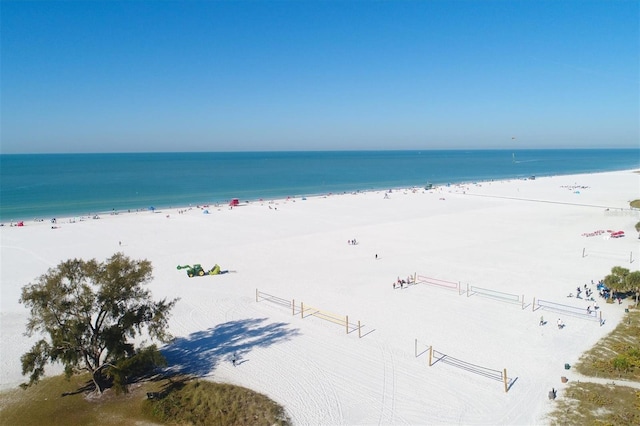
199, 402
617, 355
596, 404
635, 204
58, 401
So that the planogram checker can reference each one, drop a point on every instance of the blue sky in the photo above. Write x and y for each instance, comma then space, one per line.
140, 76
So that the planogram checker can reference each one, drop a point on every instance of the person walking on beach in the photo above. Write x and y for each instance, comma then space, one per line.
233, 360
542, 320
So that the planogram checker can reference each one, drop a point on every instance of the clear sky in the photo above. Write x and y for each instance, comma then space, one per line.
138, 76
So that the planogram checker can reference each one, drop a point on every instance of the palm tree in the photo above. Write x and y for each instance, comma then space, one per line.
633, 283
616, 280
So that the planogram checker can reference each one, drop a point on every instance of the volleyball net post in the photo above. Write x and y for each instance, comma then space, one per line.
419, 351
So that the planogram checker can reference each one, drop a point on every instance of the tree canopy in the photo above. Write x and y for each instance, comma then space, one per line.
89, 313
622, 281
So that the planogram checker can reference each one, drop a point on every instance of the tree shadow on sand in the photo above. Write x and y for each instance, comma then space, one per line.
200, 352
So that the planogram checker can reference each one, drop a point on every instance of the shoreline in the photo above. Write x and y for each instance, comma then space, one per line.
225, 203
520, 237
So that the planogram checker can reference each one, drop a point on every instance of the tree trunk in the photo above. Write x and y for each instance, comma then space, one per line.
96, 378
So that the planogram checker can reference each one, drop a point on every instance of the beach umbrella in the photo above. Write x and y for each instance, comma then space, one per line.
152, 208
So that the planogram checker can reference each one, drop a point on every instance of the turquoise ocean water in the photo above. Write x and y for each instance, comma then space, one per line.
55, 185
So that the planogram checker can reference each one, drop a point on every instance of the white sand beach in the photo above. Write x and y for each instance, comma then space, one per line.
514, 240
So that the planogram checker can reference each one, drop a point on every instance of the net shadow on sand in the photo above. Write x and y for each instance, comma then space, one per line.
199, 353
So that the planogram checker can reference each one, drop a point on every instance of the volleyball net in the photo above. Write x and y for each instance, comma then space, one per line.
448, 285
490, 373
574, 311
306, 310
612, 255
496, 295
260, 296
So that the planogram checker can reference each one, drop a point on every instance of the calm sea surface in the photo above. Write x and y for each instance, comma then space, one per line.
49, 185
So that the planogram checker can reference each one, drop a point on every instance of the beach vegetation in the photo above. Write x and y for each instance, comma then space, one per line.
585, 403
617, 355
621, 280
88, 314
156, 400
633, 283
636, 205
200, 402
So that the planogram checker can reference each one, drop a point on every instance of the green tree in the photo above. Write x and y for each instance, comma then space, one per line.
616, 280
88, 313
633, 283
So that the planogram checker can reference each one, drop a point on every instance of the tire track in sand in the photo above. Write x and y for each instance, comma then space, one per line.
388, 401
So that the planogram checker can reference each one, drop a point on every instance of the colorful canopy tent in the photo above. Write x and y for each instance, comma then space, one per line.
234, 202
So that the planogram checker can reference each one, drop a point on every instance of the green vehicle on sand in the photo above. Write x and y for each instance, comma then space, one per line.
197, 270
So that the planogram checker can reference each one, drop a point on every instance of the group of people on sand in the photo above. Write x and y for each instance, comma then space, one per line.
352, 242
591, 309
401, 283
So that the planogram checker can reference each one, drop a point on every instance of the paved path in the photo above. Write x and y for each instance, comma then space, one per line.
575, 377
